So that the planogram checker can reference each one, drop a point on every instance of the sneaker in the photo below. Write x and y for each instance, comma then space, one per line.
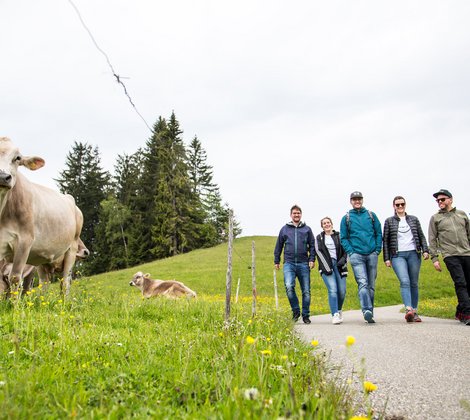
369, 317
306, 320
409, 315
336, 319
296, 317
340, 316
465, 319
416, 317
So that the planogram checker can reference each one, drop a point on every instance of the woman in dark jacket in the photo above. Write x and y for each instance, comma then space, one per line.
332, 264
403, 243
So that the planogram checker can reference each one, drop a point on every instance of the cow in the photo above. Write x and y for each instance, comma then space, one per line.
37, 224
29, 271
171, 289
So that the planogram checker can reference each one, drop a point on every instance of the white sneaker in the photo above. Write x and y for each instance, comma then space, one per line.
341, 316
336, 319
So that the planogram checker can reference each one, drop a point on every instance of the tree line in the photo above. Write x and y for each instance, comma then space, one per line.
159, 202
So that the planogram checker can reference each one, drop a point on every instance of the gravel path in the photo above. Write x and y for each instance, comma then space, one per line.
423, 369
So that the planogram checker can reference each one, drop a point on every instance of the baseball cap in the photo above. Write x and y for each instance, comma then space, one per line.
442, 192
356, 194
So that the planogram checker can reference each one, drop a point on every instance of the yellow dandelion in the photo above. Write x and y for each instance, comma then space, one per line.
266, 352
369, 386
30, 303
359, 418
221, 334
268, 339
71, 317
350, 340
40, 286
60, 301
250, 340
284, 357
314, 343
250, 321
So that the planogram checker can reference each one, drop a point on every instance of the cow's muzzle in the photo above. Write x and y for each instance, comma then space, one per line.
5, 179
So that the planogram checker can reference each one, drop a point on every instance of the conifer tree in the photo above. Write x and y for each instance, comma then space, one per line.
88, 183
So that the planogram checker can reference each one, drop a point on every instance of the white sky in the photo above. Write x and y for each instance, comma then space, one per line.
294, 102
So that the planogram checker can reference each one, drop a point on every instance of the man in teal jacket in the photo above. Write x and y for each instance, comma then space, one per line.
361, 238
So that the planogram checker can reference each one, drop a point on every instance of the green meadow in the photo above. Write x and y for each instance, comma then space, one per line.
104, 352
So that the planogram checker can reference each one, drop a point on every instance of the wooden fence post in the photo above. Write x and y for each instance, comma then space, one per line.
238, 289
228, 282
253, 278
275, 290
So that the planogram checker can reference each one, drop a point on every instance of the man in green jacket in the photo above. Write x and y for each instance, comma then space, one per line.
449, 235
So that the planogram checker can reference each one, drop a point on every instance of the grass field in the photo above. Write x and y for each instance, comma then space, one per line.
106, 353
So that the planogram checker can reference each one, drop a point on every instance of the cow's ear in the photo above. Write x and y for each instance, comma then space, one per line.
32, 163
147, 275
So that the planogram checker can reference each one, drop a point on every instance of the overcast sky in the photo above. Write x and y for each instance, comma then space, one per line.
295, 102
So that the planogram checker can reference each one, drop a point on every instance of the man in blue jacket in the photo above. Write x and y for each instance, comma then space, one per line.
298, 242
361, 237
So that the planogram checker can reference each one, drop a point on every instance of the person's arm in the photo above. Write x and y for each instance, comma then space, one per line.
344, 236
433, 244
278, 249
422, 240
311, 248
378, 234
386, 243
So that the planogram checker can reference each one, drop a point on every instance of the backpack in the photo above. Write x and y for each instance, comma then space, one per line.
348, 222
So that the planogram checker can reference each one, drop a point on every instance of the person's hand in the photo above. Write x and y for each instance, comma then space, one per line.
311, 264
388, 263
425, 255
437, 266
276, 266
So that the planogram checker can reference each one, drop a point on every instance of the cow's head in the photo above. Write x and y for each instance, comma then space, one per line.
138, 279
10, 159
82, 252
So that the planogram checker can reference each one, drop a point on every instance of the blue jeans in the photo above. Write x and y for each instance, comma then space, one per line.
406, 265
365, 272
302, 272
336, 286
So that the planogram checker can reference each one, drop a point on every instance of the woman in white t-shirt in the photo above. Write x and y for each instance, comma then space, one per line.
403, 244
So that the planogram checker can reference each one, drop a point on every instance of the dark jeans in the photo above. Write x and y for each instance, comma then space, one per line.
302, 272
459, 269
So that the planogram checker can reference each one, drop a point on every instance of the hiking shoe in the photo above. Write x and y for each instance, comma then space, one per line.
296, 317
465, 319
369, 317
409, 315
336, 319
416, 317
306, 320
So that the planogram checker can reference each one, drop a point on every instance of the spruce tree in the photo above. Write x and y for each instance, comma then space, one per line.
88, 183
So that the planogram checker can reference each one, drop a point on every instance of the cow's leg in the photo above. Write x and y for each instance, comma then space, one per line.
4, 288
69, 261
44, 275
19, 262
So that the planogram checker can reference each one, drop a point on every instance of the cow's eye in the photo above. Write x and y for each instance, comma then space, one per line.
17, 158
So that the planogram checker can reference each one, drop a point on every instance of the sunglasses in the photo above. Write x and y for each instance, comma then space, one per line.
400, 204
441, 200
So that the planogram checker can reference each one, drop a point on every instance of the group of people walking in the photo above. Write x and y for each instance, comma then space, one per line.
361, 240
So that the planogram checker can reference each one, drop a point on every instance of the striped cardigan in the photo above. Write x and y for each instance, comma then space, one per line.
325, 264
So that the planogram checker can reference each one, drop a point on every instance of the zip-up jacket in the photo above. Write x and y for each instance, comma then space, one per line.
361, 232
390, 236
325, 263
449, 234
298, 243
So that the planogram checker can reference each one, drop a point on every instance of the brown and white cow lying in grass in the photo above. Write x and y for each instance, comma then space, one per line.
171, 289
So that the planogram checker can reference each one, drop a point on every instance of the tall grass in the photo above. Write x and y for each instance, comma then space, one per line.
106, 353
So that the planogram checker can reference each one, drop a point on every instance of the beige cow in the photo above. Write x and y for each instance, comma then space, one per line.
169, 288
30, 270
37, 224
